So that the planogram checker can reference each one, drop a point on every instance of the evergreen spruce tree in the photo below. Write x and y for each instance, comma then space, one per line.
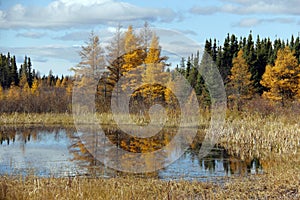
297, 49
14, 71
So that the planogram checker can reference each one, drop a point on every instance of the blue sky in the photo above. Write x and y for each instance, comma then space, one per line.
51, 32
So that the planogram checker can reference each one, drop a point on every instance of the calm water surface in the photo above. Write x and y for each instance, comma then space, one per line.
57, 152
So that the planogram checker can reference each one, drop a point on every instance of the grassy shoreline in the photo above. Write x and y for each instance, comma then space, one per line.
36, 119
282, 183
68, 119
273, 139
258, 136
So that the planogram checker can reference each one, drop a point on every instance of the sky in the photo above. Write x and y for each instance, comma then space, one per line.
51, 32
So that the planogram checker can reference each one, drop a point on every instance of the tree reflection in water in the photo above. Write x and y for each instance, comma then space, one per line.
218, 162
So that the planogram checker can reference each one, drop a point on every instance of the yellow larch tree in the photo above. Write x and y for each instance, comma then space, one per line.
34, 87
13, 92
155, 70
24, 85
58, 83
240, 86
133, 59
1, 93
155, 64
282, 79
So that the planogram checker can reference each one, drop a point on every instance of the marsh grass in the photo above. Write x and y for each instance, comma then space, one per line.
115, 188
274, 139
36, 119
67, 119
282, 183
256, 136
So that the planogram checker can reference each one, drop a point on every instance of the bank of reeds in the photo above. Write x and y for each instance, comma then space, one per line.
67, 119
282, 183
244, 135
273, 139
19, 119
257, 136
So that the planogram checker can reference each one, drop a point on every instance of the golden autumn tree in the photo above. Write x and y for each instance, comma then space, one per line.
240, 86
13, 95
13, 92
35, 87
1, 93
133, 59
155, 64
58, 83
24, 85
282, 79
155, 71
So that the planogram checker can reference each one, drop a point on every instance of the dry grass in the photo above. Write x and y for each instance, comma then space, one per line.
282, 183
36, 119
115, 188
262, 137
275, 140
67, 119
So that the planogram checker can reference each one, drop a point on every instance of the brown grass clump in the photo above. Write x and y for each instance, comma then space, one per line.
63, 119
257, 136
282, 183
115, 188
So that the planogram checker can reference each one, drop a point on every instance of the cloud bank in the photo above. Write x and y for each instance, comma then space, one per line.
257, 12
74, 13
250, 22
246, 7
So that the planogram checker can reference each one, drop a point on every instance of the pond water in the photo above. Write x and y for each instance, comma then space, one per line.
57, 152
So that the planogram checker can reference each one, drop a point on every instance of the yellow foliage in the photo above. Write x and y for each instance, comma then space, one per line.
69, 89
64, 82
134, 53
57, 84
240, 85
26, 89
154, 64
23, 80
133, 60
34, 87
282, 79
1, 93
13, 92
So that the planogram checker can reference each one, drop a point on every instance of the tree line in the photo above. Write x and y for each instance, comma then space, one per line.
23, 89
250, 70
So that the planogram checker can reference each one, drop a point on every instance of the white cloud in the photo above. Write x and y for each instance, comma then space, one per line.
208, 10
176, 44
69, 53
33, 35
105, 35
67, 13
83, 2
244, 7
250, 22
188, 32
74, 36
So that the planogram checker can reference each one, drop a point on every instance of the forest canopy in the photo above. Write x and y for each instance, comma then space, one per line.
250, 69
